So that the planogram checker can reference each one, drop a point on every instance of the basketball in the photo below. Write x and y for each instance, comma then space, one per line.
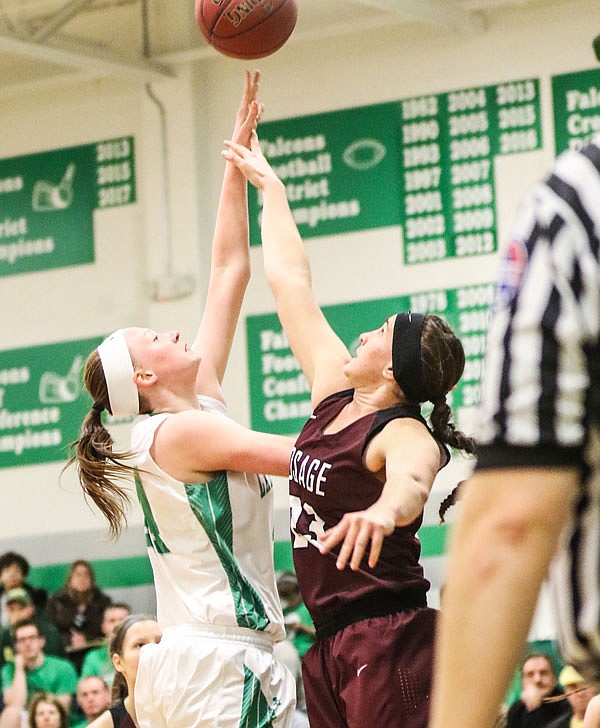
246, 28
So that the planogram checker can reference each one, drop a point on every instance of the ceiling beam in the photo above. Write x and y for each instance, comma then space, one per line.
439, 13
85, 59
318, 33
60, 18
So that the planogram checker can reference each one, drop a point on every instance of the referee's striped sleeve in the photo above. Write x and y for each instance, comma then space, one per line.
541, 380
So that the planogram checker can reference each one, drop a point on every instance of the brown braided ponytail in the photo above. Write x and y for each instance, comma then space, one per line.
443, 362
452, 497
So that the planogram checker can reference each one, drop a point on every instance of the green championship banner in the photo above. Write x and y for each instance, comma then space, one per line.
42, 401
449, 143
340, 169
426, 164
47, 202
576, 104
279, 393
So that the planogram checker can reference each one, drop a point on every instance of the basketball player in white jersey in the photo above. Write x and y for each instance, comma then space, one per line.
208, 512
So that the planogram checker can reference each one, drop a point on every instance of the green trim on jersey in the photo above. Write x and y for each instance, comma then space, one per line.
256, 712
153, 538
211, 506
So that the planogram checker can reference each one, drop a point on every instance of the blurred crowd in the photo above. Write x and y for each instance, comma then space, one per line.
57, 661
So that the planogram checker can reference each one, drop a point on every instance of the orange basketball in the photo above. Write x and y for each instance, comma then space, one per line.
246, 28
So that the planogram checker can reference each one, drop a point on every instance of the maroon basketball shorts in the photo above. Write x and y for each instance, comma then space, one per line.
375, 672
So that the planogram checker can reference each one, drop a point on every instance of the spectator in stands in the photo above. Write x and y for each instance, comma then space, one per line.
14, 569
77, 611
538, 682
126, 642
549, 647
32, 672
298, 623
93, 696
47, 712
98, 660
579, 694
19, 608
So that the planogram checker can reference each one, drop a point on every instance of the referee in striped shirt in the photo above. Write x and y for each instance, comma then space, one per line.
536, 489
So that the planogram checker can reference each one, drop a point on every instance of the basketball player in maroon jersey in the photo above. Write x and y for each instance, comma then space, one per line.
360, 474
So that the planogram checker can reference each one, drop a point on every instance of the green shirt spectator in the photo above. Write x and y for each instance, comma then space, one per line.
98, 662
33, 671
55, 675
93, 698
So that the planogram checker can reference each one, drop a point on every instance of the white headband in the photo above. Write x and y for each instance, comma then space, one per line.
118, 372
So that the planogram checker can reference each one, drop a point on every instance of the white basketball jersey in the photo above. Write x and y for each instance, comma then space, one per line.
211, 544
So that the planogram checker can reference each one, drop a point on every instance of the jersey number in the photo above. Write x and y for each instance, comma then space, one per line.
305, 524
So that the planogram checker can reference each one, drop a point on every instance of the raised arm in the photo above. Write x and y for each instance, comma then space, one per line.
319, 350
230, 262
15, 695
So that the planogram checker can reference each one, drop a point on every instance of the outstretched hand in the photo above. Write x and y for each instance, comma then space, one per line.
251, 162
250, 109
356, 530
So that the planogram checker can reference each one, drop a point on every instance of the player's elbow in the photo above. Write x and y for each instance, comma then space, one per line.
237, 270
244, 273
284, 275
420, 493
415, 494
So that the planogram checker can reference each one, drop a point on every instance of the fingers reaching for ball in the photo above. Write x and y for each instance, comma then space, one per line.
250, 109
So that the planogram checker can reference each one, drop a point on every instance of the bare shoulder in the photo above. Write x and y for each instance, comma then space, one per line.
182, 440
406, 440
408, 427
181, 425
407, 433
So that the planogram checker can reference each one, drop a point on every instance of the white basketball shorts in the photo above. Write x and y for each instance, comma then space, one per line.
206, 676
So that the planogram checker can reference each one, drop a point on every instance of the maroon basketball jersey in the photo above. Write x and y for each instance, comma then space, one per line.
327, 480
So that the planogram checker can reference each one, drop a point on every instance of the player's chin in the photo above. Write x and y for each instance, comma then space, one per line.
349, 367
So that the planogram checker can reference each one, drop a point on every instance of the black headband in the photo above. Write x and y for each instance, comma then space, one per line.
406, 356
